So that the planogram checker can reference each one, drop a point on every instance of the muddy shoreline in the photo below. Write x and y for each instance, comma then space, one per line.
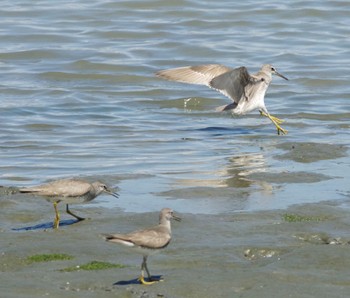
299, 252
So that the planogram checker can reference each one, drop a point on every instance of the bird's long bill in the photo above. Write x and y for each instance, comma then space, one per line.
176, 217
282, 76
112, 193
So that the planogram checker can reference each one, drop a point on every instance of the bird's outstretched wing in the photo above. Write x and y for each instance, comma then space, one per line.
200, 74
230, 82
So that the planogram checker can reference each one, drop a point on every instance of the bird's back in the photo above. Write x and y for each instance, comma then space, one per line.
62, 188
154, 238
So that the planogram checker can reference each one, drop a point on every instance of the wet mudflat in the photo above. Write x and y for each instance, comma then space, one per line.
302, 251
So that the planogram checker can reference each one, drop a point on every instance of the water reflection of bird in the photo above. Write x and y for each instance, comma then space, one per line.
238, 173
247, 91
242, 169
69, 191
147, 241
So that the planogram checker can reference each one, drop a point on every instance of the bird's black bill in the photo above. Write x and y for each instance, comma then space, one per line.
282, 76
112, 193
176, 218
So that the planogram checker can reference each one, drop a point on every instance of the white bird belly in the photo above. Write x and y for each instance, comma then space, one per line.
253, 103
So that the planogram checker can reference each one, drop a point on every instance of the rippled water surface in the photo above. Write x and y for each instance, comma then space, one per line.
79, 98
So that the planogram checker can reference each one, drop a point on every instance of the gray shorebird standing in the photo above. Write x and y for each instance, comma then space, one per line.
147, 241
68, 191
246, 90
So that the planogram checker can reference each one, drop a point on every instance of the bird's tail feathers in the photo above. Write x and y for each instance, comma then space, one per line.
115, 237
223, 108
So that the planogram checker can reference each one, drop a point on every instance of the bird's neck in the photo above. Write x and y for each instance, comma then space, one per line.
267, 77
165, 223
92, 194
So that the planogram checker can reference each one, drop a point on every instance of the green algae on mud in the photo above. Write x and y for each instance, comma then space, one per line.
48, 258
93, 265
292, 217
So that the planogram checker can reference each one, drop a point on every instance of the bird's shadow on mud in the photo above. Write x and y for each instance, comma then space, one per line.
136, 281
47, 225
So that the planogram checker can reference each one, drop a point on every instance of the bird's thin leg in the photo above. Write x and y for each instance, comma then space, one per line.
142, 277
56, 222
147, 271
276, 121
74, 215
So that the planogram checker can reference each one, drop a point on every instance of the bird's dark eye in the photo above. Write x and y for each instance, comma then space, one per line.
273, 69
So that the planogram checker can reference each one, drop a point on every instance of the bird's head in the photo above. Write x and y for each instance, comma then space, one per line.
168, 214
271, 69
101, 187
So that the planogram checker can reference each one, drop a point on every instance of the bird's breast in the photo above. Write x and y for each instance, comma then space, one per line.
254, 100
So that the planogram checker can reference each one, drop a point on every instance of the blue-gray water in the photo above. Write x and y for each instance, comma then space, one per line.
79, 98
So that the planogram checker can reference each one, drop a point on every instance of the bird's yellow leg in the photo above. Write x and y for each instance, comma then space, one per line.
276, 121
272, 118
56, 222
141, 279
280, 130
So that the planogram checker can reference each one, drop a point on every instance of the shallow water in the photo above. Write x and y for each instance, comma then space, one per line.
79, 98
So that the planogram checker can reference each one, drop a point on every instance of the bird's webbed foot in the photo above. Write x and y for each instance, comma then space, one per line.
148, 282
276, 121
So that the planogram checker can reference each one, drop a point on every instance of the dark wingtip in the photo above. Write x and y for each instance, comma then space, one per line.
107, 236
